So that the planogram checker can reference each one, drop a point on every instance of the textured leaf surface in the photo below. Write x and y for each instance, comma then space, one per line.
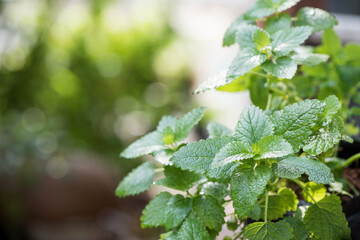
317, 18
217, 130
247, 185
245, 61
198, 156
295, 122
253, 125
137, 181
283, 67
272, 147
293, 167
223, 173
268, 231
278, 22
166, 210
326, 219
332, 105
238, 85
299, 229
147, 144
261, 39
310, 59
163, 156
166, 121
193, 229
184, 125
179, 179
215, 190
229, 37
286, 40
232, 152
314, 191
264, 8
210, 212
278, 205
245, 36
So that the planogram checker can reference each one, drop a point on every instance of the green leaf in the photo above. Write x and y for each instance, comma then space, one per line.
277, 23
163, 156
179, 179
283, 67
238, 85
193, 229
184, 125
215, 190
332, 105
293, 167
255, 213
217, 130
272, 147
326, 219
147, 144
310, 59
258, 92
244, 62
245, 36
253, 125
166, 121
233, 151
168, 136
166, 210
264, 8
295, 122
210, 212
247, 185
261, 39
316, 18
300, 231
316, 192
229, 37
278, 205
223, 173
286, 40
198, 156
331, 43
268, 231
137, 181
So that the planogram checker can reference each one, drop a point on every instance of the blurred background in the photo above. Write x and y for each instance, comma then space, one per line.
81, 79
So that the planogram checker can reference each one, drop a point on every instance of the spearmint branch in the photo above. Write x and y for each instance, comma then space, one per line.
350, 160
259, 74
159, 170
268, 104
266, 205
301, 184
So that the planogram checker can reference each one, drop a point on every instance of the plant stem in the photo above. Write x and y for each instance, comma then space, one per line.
268, 104
266, 205
350, 160
159, 170
259, 74
301, 184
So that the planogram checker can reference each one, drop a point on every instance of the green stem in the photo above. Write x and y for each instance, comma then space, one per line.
350, 160
259, 74
159, 170
266, 205
268, 104
301, 184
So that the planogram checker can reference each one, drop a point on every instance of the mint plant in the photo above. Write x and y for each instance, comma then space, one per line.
278, 153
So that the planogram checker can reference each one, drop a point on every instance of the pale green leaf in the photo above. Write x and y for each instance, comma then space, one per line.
215, 190
245, 36
326, 219
198, 156
223, 173
166, 210
253, 125
137, 181
272, 147
332, 105
293, 167
166, 121
168, 136
316, 18
283, 67
233, 151
258, 91
331, 43
179, 179
247, 185
147, 144
184, 125
286, 40
300, 232
163, 156
210, 212
295, 122
244, 62
277, 23
264, 8
217, 130
229, 37
313, 191
261, 39
238, 85
193, 229
268, 231
310, 59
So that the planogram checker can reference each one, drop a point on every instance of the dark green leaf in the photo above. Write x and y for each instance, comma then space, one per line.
277, 23
215, 190
210, 212
317, 18
232, 152
268, 231
184, 125
193, 229
300, 231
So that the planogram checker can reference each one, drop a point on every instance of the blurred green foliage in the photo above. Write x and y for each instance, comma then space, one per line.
89, 75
